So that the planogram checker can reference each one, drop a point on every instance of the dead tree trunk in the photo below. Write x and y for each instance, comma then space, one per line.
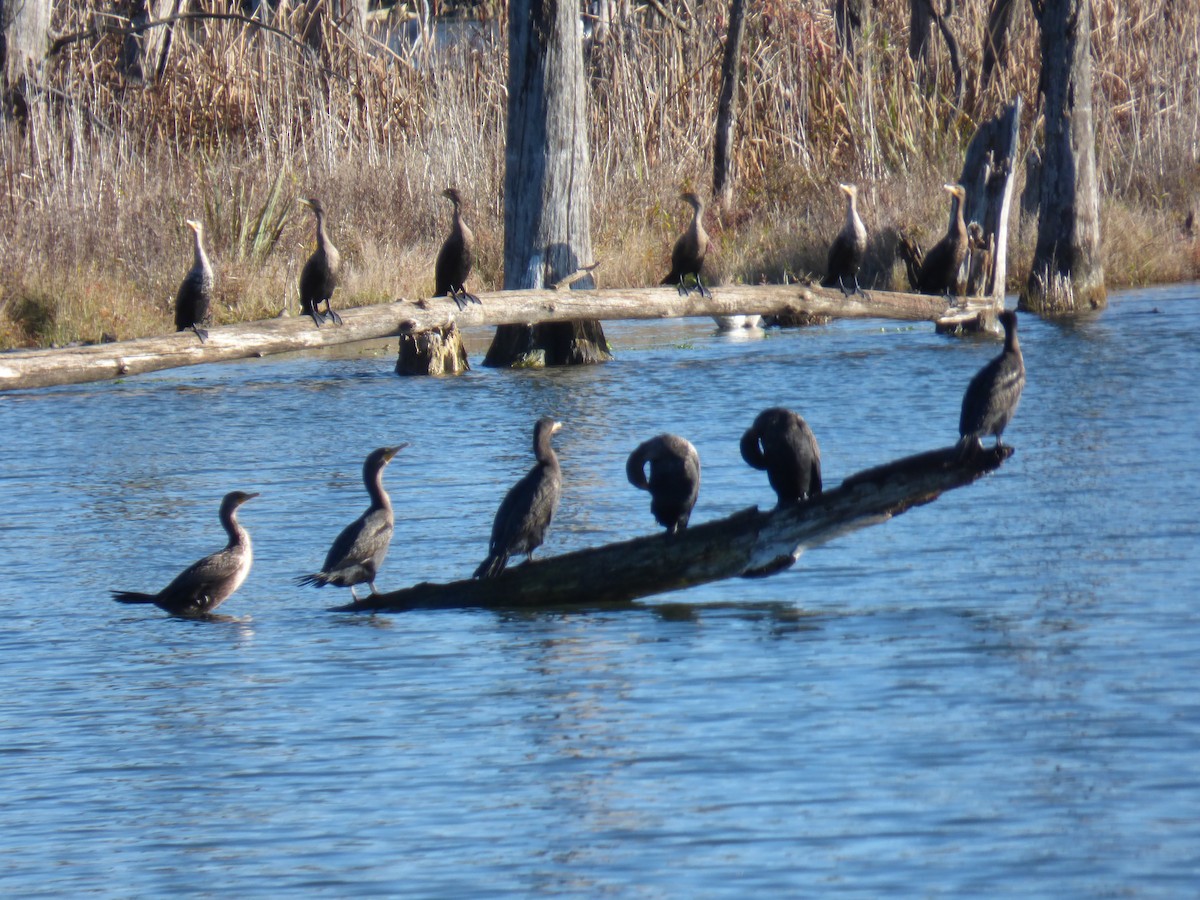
1003, 18
547, 193
923, 14
1067, 273
727, 106
847, 21
24, 38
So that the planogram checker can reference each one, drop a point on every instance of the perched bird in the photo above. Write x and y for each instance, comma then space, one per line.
782, 443
205, 585
994, 392
849, 247
319, 278
456, 257
193, 303
526, 510
674, 478
359, 550
940, 267
687, 257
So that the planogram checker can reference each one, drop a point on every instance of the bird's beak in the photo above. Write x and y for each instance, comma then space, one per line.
556, 428
389, 452
250, 497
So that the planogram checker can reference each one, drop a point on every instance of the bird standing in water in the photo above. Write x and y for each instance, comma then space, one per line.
456, 257
687, 257
359, 550
206, 584
994, 392
319, 278
674, 479
849, 247
193, 303
526, 510
782, 443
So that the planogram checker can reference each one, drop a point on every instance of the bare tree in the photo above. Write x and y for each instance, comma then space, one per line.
727, 106
24, 37
1004, 17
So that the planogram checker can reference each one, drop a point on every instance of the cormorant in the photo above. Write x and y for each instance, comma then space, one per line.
456, 257
525, 513
205, 585
674, 478
849, 247
782, 443
193, 303
994, 392
319, 278
939, 272
359, 550
687, 257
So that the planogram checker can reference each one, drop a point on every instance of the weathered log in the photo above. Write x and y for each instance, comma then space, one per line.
750, 543
436, 351
989, 175
25, 369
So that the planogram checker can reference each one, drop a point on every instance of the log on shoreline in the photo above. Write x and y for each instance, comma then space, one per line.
750, 543
25, 369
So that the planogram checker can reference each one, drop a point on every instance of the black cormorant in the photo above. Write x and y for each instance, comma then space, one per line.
456, 257
782, 443
687, 257
940, 267
994, 392
525, 513
319, 278
849, 247
674, 478
359, 550
193, 303
205, 585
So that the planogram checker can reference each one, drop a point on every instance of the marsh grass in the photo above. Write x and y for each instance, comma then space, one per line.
101, 175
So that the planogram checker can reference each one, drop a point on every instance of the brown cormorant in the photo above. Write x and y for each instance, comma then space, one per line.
319, 278
525, 513
193, 303
994, 392
674, 478
849, 247
205, 585
359, 550
782, 443
940, 267
687, 257
456, 257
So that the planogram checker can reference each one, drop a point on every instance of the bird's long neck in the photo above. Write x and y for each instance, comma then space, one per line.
238, 536
544, 451
697, 219
323, 244
199, 257
958, 227
374, 482
1011, 344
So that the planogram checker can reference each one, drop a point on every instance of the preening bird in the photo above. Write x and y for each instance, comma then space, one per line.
674, 478
319, 278
359, 550
193, 302
849, 247
781, 442
206, 584
687, 257
994, 392
525, 513
456, 257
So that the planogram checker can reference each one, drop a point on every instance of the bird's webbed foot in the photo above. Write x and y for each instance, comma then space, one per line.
316, 316
703, 291
681, 288
331, 315
201, 333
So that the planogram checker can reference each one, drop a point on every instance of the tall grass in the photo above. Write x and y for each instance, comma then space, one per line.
101, 174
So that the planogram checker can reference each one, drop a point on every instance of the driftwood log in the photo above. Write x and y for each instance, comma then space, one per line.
750, 543
26, 369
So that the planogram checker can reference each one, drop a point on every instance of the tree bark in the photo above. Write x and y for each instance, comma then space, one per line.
1067, 274
727, 106
1003, 17
24, 38
547, 192
847, 21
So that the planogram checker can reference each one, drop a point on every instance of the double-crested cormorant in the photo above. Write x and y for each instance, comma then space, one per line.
782, 443
849, 247
193, 303
525, 513
359, 550
319, 278
205, 585
994, 392
456, 257
940, 267
687, 257
674, 478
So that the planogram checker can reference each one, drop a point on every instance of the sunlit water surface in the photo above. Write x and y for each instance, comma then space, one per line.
997, 693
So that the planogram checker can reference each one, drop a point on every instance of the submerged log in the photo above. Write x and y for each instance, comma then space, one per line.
750, 543
24, 369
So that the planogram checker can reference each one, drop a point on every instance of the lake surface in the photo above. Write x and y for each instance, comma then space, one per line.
995, 694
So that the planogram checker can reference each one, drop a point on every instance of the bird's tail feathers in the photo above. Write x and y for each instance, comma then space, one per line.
319, 579
133, 597
492, 566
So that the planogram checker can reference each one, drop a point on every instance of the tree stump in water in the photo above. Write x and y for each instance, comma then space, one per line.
438, 351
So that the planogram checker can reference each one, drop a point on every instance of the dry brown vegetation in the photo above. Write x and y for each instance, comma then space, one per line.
100, 173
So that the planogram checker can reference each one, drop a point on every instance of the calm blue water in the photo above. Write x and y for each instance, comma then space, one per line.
998, 693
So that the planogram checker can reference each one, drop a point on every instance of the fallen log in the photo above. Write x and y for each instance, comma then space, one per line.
750, 543
26, 369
